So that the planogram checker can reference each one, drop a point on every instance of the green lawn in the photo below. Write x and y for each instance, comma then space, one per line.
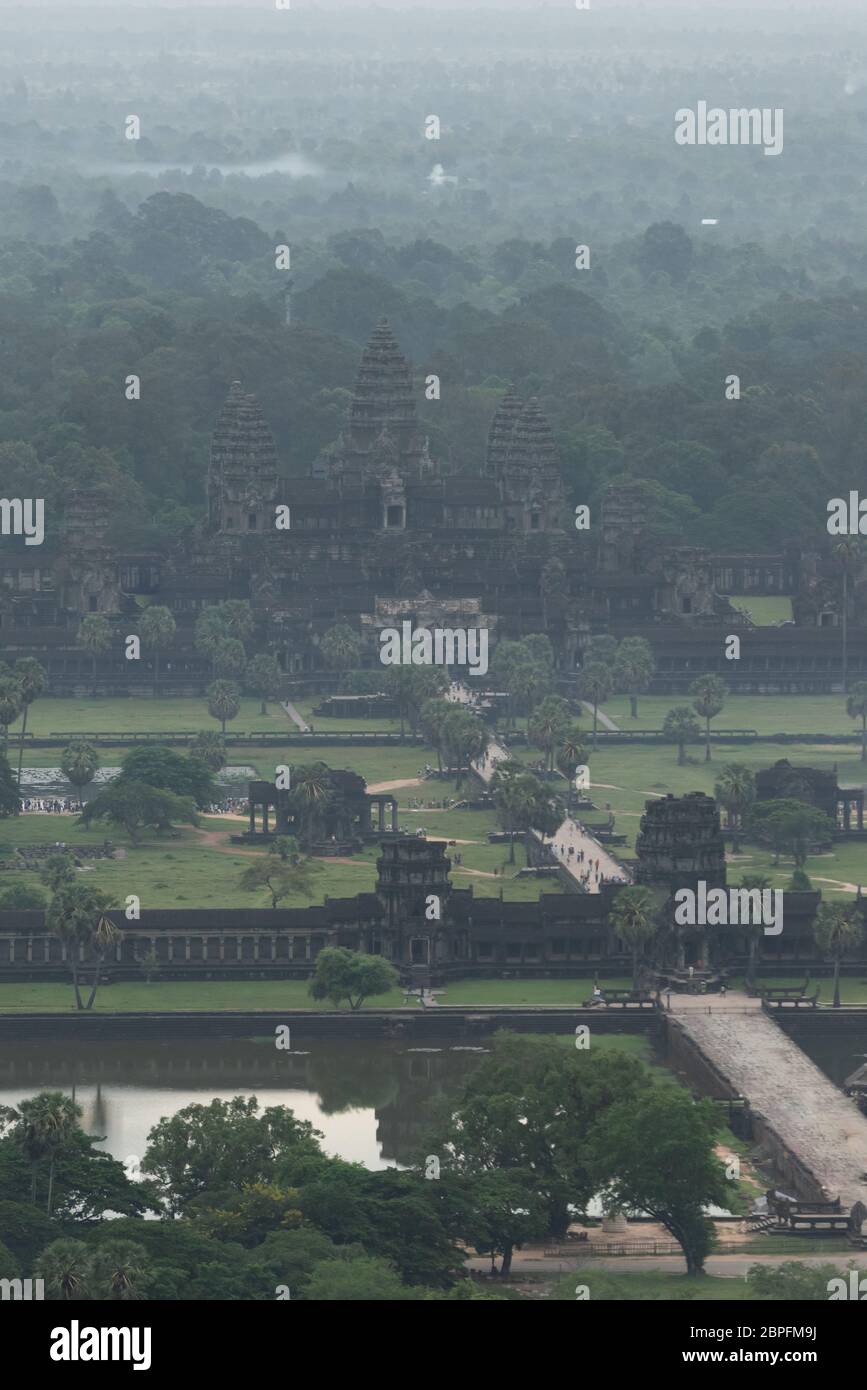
213, 996
766, 610
141, 713
767, 714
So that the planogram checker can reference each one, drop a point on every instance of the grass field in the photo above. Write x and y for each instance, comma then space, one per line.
767, 714
141, 713
212, 996
766, 610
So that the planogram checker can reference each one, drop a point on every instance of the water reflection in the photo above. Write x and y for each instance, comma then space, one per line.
373, 1101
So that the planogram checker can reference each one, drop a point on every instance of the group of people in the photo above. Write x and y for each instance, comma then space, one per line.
230, 805
55, 804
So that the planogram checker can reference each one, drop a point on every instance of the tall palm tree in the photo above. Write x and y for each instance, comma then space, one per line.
681, 727
43, 1127
340, 647
223, 702
835, 933
120, 1271
754, 928
209, 748
432, 716
633, 917
634, 666
311, 791
11, 703
94, 635
849, 552
76, 915
708, 697
856, 708
735, 789
595, 685
79, 762
157, 630
33, 679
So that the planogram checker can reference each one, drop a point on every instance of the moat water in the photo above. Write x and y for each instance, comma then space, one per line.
374, 1102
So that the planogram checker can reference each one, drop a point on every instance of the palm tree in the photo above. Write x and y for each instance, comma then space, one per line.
849, 551
465, 739
571, 752
633, 917
43, 1127
524, 685
263, 677
595, 685
432, 716
94, 635
119, 1271
67, 1268
157, 630
548, 725
399, 684
681, 727
311, 792
836, 933
856, 708
753, 927
11, 703
634, 666
735, 789
340, 647
223, 702
78, 763
33, 679
708, 697
515, 792
209, 748
76, 914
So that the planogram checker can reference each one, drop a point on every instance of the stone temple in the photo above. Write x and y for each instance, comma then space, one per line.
380, 530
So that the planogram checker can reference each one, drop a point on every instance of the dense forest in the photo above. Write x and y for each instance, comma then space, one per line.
156, 256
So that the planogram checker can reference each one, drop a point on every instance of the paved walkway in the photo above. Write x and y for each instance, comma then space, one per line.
295, 716
605, 720
597, 859
812, 1117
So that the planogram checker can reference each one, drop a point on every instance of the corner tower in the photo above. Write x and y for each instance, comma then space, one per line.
242, 473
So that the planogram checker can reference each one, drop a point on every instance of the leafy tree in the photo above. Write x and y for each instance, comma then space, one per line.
507, 1211
94, 635
222, 1148
836, 933
351, 975
634, 666
856, 708
79, 762
223, 702
357, 1278
708, 697
43, 1127
57, 870
656, 1155
665, 246
464, 740
169, 771
399, 686
208, 747
790, 825
33, 680
791, 1282
21, 896
633, 917
681, 727
157, 630
595, 685
340, 647
263, 678
132, 806
524, 803
282, 878
735, 789
425, 683
77, 915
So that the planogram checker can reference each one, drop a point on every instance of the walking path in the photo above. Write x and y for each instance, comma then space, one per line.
605, 720
295, 716
810, 1115
572, 835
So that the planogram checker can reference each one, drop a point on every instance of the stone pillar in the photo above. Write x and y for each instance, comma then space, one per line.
265, 819
255, 948
394, 815
847, 814
252, 819
222, 948
186, 948
171, 948
861, 814
29, 948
